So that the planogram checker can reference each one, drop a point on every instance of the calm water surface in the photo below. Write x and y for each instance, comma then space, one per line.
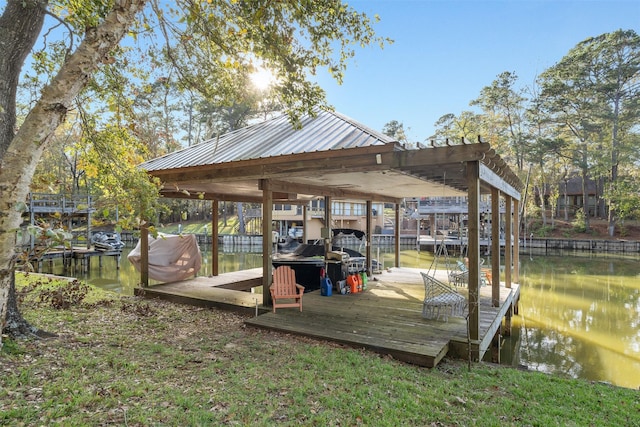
579, 316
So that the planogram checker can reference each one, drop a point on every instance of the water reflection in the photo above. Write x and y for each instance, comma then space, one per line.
105, 274
578, 316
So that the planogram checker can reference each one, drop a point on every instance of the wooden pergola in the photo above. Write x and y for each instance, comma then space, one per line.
345, 162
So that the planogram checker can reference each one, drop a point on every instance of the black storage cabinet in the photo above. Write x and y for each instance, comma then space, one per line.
307, 274
336, 271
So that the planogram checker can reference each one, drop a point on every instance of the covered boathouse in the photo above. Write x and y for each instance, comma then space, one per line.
336, 158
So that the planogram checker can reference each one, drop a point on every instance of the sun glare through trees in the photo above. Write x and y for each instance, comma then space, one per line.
262, 78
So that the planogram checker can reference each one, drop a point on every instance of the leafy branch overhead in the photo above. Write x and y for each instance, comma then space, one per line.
183, 76
211, 45
108, 83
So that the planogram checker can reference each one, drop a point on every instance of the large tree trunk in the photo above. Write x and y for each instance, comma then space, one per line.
23, 151
614, 165
20, 25
15, 325
585, 199
601, 203
566, 199
543, 212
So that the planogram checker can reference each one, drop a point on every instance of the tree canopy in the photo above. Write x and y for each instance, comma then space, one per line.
96, 62
580, 118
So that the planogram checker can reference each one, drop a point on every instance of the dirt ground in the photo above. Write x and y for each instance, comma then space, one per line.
598, 229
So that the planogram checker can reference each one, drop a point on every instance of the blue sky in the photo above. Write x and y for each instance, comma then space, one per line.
445, 52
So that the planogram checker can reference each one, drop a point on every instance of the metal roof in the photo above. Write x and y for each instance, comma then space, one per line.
328, 131
330, 155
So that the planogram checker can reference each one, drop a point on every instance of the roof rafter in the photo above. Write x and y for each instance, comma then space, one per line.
318, 190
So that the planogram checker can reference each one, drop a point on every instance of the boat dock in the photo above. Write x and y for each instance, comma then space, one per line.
73, 257
386, 318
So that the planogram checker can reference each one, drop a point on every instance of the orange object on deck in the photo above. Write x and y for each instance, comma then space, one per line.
352, 281
284, 286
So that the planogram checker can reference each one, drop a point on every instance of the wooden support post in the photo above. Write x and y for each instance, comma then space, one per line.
516, 241
88, 222
327, 224
144, 253
473, 185
434, 229
495, 247
418, 234
508, 246
267, 246
368, 236
214, 237
495, 347
396, 233
304, 223
32, 221
507, 322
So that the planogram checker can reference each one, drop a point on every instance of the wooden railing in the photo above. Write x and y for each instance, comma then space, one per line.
49, 203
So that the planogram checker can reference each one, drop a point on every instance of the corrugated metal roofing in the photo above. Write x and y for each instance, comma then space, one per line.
272, 138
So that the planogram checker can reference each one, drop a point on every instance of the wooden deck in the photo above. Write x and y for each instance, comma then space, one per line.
387, 318
227, 291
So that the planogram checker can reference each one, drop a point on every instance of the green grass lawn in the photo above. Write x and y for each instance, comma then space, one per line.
133, 362
231, 227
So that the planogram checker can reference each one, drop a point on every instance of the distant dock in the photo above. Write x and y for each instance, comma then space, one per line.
75, 257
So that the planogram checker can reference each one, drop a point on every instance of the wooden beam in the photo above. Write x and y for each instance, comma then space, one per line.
304, 222
368, 231
434, 156
327, 223
214, 238
508, 247
290, 198
338, 161
473, 184
320, 190
144, 253
277, 193
297, 202
267, 245
496, 181
495, 247
417, 163
516, 242
396, 235
88, 235
170, 194
278, 161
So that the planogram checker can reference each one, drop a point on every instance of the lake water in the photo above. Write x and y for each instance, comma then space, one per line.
579, 316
